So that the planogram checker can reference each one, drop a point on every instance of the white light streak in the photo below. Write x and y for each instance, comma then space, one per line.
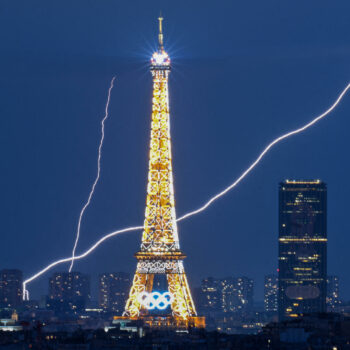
78, 257
207, 204
97, 175
262, 154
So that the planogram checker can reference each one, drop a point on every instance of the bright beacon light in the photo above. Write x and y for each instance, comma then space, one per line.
160, 59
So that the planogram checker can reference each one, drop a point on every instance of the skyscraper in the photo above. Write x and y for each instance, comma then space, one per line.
113, 291
333, 299
11, 288
302, 256
69, 291
271, 293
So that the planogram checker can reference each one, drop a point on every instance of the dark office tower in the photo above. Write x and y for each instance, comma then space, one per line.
11, 288
302, 248
113, 291
69, 291
333, 299
271, 293
211, 291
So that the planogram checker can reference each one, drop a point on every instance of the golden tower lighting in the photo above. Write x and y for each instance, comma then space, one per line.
160, 252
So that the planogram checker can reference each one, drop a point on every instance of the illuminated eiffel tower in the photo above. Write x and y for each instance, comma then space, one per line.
160, 258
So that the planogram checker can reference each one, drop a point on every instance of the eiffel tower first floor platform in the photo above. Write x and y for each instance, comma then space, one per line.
163, 322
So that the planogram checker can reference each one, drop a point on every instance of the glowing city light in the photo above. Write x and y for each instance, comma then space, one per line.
209, 202
155, 300
97, 175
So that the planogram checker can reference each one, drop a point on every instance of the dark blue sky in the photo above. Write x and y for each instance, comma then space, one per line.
243, 73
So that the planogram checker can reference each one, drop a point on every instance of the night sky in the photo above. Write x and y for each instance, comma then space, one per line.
244, 72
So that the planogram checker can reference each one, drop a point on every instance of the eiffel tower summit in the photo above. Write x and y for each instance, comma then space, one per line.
160, 294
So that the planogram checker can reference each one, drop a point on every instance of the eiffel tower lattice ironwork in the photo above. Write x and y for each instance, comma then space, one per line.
160, 252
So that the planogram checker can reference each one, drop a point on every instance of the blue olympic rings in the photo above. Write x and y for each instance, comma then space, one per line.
155, 300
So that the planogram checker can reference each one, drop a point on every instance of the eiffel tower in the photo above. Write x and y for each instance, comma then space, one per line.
160, 294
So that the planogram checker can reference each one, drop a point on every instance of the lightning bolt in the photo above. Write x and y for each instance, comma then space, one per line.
208, 203
262, 154
97, 175
78, 257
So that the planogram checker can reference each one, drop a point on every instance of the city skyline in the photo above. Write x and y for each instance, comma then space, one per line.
207, 221
106, 282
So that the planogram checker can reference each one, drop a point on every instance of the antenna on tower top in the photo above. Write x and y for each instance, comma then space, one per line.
160, 35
